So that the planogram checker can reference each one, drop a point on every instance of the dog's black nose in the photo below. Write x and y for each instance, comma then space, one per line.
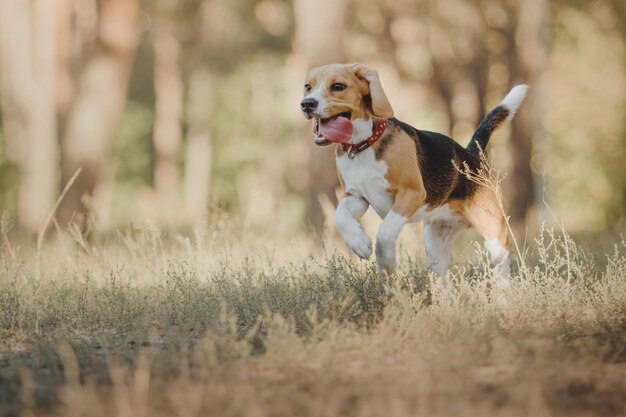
308, 105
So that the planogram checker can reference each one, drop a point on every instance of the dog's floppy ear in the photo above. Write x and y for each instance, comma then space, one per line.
372, 88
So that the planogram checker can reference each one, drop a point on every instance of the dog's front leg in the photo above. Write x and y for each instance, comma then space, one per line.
404, 208
386, 241
351, 208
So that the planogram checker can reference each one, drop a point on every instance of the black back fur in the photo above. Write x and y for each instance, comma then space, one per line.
439, 157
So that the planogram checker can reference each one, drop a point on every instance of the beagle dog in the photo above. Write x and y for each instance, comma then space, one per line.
405, 174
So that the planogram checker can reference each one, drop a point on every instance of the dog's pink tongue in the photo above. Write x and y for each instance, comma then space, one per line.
337, 130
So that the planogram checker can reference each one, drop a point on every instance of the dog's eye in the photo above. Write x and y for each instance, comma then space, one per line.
337, 87
307, 88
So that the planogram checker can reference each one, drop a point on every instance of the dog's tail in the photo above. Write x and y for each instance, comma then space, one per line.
505, 111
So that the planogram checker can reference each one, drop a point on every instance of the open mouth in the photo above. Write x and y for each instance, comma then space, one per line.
325, 130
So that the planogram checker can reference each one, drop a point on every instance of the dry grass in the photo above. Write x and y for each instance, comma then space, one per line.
142, 325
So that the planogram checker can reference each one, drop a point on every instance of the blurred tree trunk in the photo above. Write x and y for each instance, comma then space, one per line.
618, 211
459, 71
63, 61
27, 67
527, 60
265, 189
101, 89
199, 151
167, 137
318, 38
199, 147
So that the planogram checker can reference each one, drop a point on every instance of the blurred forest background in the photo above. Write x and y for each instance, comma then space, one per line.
176, 110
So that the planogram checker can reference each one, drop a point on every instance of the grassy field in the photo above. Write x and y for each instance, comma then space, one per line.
139, 324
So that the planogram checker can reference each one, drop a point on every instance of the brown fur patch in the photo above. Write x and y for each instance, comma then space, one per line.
483, 212
385, 141
404, 176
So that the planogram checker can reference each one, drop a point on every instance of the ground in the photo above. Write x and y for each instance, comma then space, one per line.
140, 324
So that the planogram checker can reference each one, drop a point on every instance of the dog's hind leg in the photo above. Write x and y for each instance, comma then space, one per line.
485, 215
438, 239
494, 231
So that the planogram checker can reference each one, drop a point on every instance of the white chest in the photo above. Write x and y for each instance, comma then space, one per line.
364, 176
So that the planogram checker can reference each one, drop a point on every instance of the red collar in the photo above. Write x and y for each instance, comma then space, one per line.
378, 129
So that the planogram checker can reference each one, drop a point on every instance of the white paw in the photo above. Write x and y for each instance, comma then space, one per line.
361, 244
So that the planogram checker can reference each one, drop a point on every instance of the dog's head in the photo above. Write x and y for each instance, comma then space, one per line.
336, 94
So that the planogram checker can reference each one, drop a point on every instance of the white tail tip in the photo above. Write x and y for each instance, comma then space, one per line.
514, 99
